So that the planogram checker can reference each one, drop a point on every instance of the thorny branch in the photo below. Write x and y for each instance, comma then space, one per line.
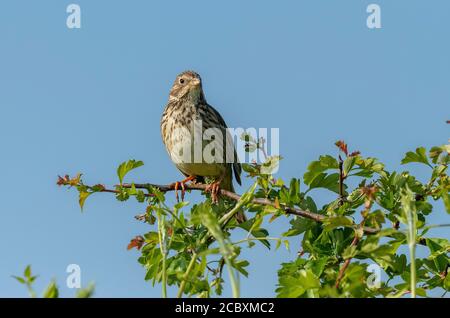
369, 193
234, 196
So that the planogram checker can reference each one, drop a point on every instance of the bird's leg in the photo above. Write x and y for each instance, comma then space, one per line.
181, 184
214, 188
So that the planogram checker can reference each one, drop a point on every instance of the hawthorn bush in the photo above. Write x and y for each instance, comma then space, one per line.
380, 220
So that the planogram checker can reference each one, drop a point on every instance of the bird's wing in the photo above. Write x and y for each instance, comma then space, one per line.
230, 144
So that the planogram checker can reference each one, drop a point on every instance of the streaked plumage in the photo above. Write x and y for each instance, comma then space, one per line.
186, 104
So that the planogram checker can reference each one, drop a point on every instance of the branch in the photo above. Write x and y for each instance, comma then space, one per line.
341, 181
369, 192
346, 263
234, 196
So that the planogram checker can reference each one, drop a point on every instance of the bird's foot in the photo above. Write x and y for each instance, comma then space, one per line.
181, 184
214, 188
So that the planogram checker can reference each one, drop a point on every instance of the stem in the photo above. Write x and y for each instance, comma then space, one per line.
341, 181
346, 263
409, 209
186, 275
31, 291
412, 253
355, 242
233, 279
161, 237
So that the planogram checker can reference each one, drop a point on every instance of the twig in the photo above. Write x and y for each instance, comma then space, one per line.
346, 263
341, 181
356, 238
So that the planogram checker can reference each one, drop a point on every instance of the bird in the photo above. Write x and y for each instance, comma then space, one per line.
186, 114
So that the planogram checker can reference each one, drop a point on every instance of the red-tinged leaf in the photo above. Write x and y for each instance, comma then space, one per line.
66, 180
137, 242
342, 146
354, 154
61, 181
369, 192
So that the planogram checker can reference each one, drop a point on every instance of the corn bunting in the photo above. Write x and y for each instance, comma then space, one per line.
196, 137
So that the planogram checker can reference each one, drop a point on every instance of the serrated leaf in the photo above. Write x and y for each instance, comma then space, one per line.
419, 156
126, 167
298, 226
316, 168
330, 182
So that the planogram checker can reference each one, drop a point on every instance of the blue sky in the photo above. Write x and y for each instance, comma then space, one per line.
85, 100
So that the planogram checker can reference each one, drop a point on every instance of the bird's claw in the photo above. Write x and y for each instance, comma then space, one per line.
182, 185
214, 188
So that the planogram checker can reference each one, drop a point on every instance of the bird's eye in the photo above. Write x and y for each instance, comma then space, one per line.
181, 81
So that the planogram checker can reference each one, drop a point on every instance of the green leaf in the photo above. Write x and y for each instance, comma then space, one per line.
316, 168
439, 247
440, 154
82, 198
349, 163
270, 165
126, 167
318, 265
159, 195
447, 281
419, 156
298, 226
27, 272
368, 166
349, 252
239, 265
253, 226
446, 199
295, 284
19, 279
330, 182
336, 221
308, 280
289, 287
51, 291
86, 292
152, 238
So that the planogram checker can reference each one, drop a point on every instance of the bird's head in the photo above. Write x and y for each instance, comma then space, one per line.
187, 85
